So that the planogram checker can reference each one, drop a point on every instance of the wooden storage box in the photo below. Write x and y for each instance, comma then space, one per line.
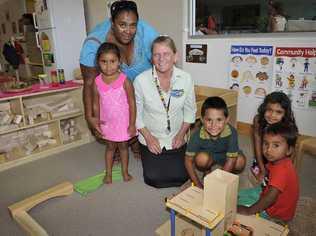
230, 97
225, 185
22, 144
76, 130
14, 112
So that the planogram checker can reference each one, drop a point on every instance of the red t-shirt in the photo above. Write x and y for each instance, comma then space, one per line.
282, 176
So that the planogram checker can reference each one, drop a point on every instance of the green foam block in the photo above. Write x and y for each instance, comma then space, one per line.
91, 184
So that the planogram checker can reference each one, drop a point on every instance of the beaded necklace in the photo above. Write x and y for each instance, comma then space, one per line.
168, 129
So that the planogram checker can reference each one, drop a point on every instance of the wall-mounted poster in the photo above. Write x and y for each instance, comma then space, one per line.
14, 29
3, 28
196, 53
295, 74
250, 70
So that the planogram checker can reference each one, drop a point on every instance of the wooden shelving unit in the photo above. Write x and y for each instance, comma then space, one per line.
31, 139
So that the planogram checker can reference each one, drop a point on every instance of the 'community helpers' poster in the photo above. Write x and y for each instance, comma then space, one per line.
294, 73
251, 70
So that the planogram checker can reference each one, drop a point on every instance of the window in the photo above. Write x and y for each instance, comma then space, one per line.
252, 16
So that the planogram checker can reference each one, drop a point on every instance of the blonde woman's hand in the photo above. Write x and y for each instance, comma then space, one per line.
153, 144
177, 141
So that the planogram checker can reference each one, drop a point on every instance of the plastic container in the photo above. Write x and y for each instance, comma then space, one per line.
43, 80
54, 79
61, 76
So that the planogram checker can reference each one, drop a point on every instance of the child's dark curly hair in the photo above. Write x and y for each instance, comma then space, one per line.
287, 131
106, 48
284, 101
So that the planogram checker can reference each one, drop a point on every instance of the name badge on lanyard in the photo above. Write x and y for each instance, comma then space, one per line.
177, 93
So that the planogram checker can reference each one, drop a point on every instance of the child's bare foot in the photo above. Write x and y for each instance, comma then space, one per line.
127, 177
107, 179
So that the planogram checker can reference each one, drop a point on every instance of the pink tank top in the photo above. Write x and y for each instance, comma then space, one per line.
114, 109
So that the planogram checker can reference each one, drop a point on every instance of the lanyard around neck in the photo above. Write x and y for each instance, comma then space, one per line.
168, 130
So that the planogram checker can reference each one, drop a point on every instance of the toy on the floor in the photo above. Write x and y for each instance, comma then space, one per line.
19, 210
213, 211
239, 229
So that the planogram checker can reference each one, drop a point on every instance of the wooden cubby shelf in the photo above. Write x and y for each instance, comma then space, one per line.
40, 123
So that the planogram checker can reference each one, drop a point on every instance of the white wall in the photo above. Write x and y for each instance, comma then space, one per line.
95, 12
171, 17
164, 15
215, 72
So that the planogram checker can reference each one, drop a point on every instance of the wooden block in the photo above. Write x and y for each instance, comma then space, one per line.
4, 106
189, 203
62, 189
262, 227
5, 118
51, 141
56, 114
17, 119
19, 209
29, 225
240, 229
225, 185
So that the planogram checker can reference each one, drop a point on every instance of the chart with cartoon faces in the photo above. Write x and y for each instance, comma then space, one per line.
294, 72
251, 70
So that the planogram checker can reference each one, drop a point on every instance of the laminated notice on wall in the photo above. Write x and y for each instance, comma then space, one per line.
196, 53
250, 70
294, 73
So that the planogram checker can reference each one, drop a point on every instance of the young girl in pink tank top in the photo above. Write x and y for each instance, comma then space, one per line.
114, 108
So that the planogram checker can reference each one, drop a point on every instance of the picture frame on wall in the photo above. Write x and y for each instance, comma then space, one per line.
14, 29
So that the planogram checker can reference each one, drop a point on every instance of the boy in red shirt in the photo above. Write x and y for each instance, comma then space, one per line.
280, 192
